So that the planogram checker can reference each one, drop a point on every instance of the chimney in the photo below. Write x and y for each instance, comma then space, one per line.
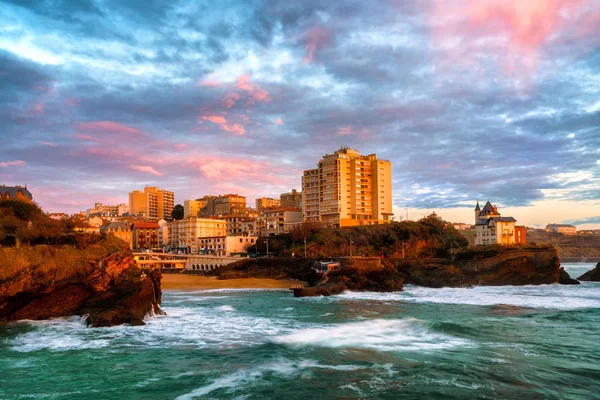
495, 210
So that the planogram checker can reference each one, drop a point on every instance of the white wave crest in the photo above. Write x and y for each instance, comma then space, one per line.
378, 334
225, 308
563, 297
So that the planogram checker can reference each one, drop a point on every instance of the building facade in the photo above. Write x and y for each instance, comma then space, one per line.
226, 245
15, 193
291, 199
264, 203
280, 220
562, 228
107, 211
122, 230
152, 203
184, 233
145, 235
348, 189
492, 228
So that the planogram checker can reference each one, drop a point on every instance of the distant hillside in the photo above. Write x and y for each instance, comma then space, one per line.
570, 248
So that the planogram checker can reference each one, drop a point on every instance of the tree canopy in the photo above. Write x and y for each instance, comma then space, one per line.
178, 212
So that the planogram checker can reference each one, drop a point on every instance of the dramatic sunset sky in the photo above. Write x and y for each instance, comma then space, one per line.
470, 100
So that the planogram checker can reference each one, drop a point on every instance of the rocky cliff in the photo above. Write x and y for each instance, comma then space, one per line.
593, 275
519, 267
100, 282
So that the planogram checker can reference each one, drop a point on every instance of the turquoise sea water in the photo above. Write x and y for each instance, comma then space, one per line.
533, 342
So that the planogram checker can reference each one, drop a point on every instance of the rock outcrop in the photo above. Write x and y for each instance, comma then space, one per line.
531, 266
565, 279
593, 275
380, 279
515, 268
100, 282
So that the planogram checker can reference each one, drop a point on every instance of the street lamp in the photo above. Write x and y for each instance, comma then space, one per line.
304, 247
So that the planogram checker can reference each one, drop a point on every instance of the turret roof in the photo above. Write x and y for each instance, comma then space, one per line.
488, 208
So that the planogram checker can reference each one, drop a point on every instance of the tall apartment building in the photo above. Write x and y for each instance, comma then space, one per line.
266, 202
291, 199
347, 189
153, 203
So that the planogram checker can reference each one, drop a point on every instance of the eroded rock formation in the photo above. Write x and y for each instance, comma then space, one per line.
100, 282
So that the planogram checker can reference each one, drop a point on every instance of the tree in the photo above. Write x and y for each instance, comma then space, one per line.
177, 212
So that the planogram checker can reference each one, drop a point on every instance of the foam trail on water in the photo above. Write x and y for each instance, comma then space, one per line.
281, 368
378, 334
562, 297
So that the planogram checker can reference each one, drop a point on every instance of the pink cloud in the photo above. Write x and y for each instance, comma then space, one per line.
520, 31
278, 121
49, 144
145, 168
217, 119
235, 128
86, 138
255, 92
215, 168
224, 124
231, 99
206, 82
15, 163
107, 126
315, 37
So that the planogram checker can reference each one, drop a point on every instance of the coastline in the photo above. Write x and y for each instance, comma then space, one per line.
201, 282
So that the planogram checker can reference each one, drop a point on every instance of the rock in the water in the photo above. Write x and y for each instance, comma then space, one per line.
593, 275
381, 279
100, 282
565, 279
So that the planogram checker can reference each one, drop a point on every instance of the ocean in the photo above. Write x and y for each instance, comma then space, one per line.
529, 342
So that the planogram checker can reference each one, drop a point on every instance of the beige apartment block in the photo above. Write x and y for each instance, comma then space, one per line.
216, 206
347, 189
107, 210
226, 245
278, 221
291, 199
230, 204
153, 203
185, 232
191, 208
263, 203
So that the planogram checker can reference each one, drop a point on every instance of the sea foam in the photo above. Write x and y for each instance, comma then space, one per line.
377, 334
560, 297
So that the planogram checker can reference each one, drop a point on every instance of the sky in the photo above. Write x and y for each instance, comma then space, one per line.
470, 100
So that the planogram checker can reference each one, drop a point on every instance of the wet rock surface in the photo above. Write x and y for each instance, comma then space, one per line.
593, 275
565, 279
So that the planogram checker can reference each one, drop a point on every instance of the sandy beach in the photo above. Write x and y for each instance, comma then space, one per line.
199, 282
